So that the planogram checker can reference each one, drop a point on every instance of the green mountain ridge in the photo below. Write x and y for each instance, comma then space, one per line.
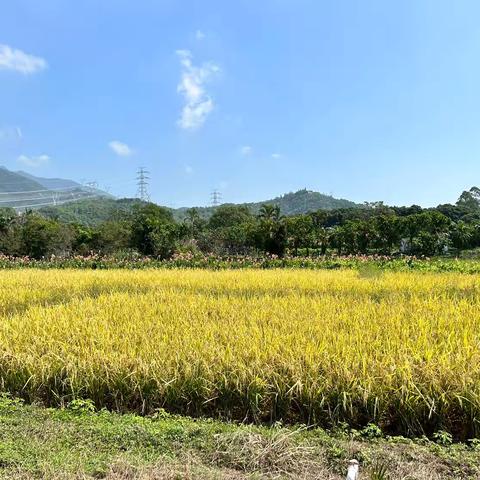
70, 201
292, 203
12, 182
93, 211
50, 183
22, 190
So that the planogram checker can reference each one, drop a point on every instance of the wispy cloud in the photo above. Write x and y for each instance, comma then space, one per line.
120, 148
246, 150
198, 103
34, 161
19, 61
199, 35
188, 170
277, 156
11, 133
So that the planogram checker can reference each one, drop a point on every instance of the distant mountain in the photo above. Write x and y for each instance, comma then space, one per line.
304, 201
12, 182
51, 183
293, 203
21, 190
93, 211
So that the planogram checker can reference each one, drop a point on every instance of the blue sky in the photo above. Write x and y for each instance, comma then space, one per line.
367, 100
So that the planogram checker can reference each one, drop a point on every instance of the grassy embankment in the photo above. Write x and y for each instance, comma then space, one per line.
77, 443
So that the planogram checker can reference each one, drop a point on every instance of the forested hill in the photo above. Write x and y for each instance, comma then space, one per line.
304, 201
293, 203
97, 210
91, 211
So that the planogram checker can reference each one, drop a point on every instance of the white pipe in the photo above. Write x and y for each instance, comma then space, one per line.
352, 473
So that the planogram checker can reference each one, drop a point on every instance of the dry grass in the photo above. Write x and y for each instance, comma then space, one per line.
189, 469
275, 456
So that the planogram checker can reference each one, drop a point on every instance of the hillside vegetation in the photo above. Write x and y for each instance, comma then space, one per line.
92, 211
95, 211
21, 190
293, 203
130, 227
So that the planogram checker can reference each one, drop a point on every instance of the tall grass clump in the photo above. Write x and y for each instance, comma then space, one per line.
401, 350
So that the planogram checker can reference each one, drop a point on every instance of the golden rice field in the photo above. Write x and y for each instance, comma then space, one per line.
401, 349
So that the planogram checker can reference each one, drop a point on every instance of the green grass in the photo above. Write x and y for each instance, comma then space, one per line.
77, 443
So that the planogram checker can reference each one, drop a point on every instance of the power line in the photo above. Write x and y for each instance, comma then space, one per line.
215, 197
71, 200
26, 199
142, 184
55, 196
47, 190
80, 186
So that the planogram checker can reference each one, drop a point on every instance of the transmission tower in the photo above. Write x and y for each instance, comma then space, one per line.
55, 197
92, 185
215, 196
142, 184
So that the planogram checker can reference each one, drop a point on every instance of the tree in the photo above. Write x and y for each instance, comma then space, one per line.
299, 232
321, 238
388, 230
193, 223
434, 222
111, 237
456, 212
364, 233
337, 239
230, 230
42, 237
273, 233
238, 238
228, 216
83, 237
462, 235
269, 212
427, 243
153, 231
470, 199
9, 237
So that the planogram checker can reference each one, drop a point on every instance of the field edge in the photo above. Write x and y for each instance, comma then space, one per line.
77, 442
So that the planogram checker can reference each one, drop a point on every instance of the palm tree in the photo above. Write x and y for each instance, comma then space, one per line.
270, 212
193, 221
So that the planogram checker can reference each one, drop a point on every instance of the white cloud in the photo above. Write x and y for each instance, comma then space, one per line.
277, 156
188, 169
16, 60
120, 148
246, 150
199, 35
34, 161
11, 133
198, 103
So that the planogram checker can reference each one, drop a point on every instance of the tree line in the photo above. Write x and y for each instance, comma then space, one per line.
151, 230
